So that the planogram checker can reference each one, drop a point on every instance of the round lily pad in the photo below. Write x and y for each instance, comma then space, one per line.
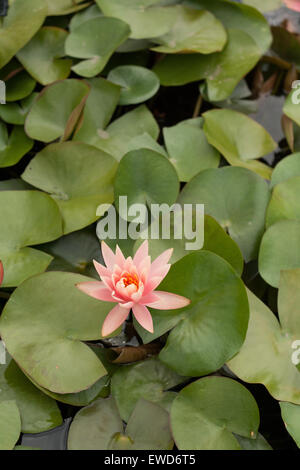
141, 176
279, 250
38, 412
291, 417
237, 198
209, 412
15, 113
14, 146
63, 317
285, 202
56, 110
138, 84
28, 218
10, 424
288, 167
79, 178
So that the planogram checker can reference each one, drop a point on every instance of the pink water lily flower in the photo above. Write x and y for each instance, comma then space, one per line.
131, 284
293, 4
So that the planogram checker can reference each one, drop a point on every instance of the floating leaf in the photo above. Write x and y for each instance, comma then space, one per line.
28, 218
87, 14
291, 107
239, 139
189, 150
146, 18
10, 424
219, 69
266, 355
19, 86
138, 84
259, 443
56, 111
279, 250
291, 417
246, 196
24, 19
194, 31
15, 113
63, 317
149, 380
14, 146
79, 178
207, 413
42, 56
288, 167
285, 202
95, 41
236, 16
65, 7
140, 177
267, 5
94, 426
38, 412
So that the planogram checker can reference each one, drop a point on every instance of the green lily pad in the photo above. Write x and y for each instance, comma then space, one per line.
24, 19
189, 150
287, 168
28, 218
146, 18
246, 195
259, 443
239, 139
87, 14
149, 380
95, 41
14, 146
138, 84
266, 355
65, 7
63, 317
10, 425
207, 413
216, 240
119, 137
43, 56
237, 16
15, 113
279, 250
141, 177
56, 111
196, 346
78, 176
218, 69
267, 5
38, 412
94, 426
194, 31
100, 106
291, 417
19, 86
285, 202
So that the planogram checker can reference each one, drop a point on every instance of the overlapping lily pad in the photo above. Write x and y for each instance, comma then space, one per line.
10, 424
78, 176
196, 346
288, 167
28, 218
15, 113
219, 69
149, 380
63, 317
14, 146
189, 150
64, 7
43, 56
138, 84
240, 139
237, 198
56, 111
194, 31
95, 41
24, 19
38, 412
208, 413
285, 202
291, 417
141, 175
291, 107
266, 355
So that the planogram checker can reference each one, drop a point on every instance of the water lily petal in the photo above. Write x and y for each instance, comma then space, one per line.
108, 256
169, 301
143, 316
120, 258
161, 260
101, 270
96, 289
114, 319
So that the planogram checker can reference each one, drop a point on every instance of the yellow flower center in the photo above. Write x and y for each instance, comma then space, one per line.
129, 279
